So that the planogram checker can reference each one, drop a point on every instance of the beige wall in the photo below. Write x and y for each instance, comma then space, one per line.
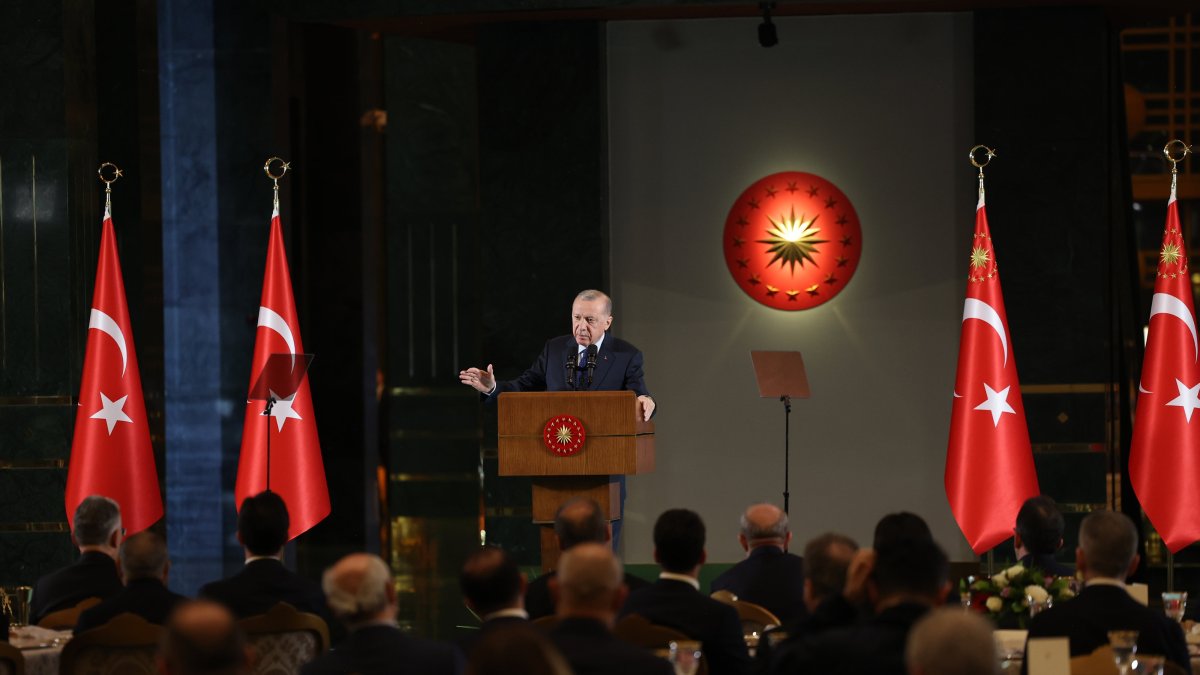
881, 106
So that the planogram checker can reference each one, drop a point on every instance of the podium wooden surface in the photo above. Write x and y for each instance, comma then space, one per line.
617, 441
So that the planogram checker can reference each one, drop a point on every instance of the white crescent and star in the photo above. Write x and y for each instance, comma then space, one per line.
977, 309
996, 403
282, 410
268, 318
1165, 303
105, 324
112, 411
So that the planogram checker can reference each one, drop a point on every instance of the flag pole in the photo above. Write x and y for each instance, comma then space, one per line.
1168, 151
116, 173
283, 169
988, 155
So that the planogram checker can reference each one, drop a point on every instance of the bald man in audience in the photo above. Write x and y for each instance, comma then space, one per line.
769, 576
590, 591
203, 638
361, 592
97, 532
493, 589
577, 520
144, 567
949, 641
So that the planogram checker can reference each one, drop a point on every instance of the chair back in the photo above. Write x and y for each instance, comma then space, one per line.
1099, 662
546, 623
755, 619
284, 639
11, 660
637, 629
126, 644
64, 619
725, 596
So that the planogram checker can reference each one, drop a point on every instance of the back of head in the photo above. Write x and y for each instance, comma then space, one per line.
359, 588
1040, 525
917, 567
901, 526
203, 638
589, 576
826, 560
96, 518
516, 648
949, 641
679, 540
579, 520
263, 523
764, 522
490, 580
1109, 542
143, 556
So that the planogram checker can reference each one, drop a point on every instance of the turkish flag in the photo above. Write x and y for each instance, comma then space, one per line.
1164, 460
111, 453
297, 472
989, 463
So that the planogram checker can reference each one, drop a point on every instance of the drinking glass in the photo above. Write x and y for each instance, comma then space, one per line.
1149, 664
1124, 646
1036, 607
685, 656
1174, 604
14, 601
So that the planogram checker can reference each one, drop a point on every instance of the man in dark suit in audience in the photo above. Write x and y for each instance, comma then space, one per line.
590, 591
675, 599
362, 594
264, 582
203, 637
769, 576
949, 641
577, 521
144, 568
493, 589
904, 581
1039, 534
97, 532
1107, 553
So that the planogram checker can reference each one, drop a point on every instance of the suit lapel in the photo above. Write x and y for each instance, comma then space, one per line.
604, 362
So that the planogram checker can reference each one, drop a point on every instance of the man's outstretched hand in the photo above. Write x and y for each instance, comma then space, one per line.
483, 381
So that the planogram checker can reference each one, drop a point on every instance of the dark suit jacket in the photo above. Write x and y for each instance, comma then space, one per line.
93, 575
591, 649
263, 583
834, 612
384, 650
537, 595
874, 647
618, 367
1047, 564
768, 577
1086, 619
466, 640
677, 605
147, 598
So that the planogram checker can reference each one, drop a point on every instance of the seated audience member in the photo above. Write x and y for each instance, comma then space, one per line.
264, 581
516, 648
97, 533
1107, 553
144, 568
1039, 534
675, 599
590, 592
949, 641
202, 638
769, 576
362, 594
900, 526
493, 589
578, 520
906, 579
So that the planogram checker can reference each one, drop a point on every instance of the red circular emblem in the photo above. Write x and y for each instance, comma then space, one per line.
563, 435
792, 240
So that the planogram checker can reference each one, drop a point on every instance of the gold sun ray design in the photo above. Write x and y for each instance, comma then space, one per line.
1169, 254
563, 435
979, 257
793, 241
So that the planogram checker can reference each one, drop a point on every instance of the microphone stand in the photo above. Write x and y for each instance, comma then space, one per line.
572, 367
267, 414
591, 366
787, 418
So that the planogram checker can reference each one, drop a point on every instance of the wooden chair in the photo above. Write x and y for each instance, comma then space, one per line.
284, 639
11, 660
546, 623
638, 630
1099, 662
756, 619
126, 644
67, 618
724, 596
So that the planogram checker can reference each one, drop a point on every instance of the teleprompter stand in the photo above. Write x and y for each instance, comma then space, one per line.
781, 375
278, 381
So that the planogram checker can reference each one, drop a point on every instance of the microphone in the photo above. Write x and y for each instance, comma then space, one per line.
572, 366
591, 364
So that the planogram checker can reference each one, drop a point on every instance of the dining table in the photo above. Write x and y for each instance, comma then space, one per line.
40, 647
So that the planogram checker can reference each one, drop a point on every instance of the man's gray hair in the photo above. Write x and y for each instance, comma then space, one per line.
775, 530
1109, 541
96, 518
949, 641
588, 574
357, 604
826, 561
143, 556
592, 294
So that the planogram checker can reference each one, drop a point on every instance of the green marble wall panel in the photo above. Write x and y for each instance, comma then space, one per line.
32, 496
35, 432
25, 556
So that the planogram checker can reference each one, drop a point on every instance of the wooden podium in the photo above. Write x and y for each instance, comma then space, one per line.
617, 441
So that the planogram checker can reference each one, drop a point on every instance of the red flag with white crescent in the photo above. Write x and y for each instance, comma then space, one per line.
111, 454
989, 462
1164, 460
297, 471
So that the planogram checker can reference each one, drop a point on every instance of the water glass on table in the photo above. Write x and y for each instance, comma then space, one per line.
685, 656
1038, 606
1124, 646
1149, 664
14, 601
1174, 604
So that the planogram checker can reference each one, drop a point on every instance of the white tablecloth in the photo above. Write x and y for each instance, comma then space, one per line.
40, 647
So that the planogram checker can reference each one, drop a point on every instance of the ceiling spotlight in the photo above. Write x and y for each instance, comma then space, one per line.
767, 36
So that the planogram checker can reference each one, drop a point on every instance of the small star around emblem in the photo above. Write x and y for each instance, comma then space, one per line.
791, 295
813, 190
847, 241
742, 222
753, 203
743, 262
830, 279
996, 403
771, 191
813, 290
841, 219
754, 280
112, 412
771, 290
1188, 399
737, 241
791, 187
841, 261
830, 202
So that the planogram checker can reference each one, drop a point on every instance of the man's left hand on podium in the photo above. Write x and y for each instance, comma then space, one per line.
647, 406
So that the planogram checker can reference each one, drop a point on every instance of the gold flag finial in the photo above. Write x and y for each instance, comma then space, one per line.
284, 167
114, 173
1169, 151
974, 156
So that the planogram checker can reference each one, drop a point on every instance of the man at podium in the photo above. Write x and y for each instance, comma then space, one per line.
586, 360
